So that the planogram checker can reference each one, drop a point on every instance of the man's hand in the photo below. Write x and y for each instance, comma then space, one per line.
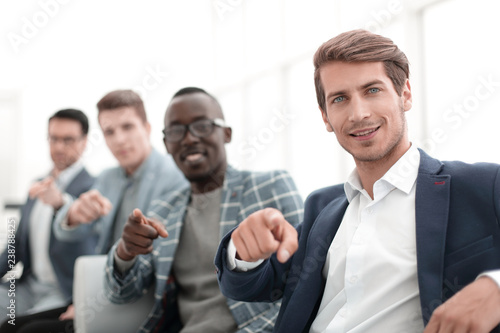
138, 235
69, 314
47, 192
264, 233
88, 207
474, 309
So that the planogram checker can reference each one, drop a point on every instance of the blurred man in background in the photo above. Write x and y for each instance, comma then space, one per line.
143, 177
47, 278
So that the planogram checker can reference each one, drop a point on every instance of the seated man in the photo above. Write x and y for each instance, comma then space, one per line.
47, 277
142, 177
408, 241
181, 267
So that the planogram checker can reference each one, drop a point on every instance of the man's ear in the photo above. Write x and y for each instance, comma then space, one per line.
82, 145
228, 134
406, 96
147, 125
329, 127
85, 141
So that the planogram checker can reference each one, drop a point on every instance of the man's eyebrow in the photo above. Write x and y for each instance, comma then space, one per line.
363, 86
178, 122
371, 83
335, 93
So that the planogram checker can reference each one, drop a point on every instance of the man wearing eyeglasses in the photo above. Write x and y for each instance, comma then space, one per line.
142, 177
180, 262
47, 277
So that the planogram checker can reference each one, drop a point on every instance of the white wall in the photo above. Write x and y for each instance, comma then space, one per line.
256, 56
463, 80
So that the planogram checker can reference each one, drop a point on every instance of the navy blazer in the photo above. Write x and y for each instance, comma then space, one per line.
62, 254
457, 206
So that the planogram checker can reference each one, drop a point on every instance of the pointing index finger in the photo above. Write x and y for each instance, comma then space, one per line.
273, 218
160, 228
138, 216
283, 232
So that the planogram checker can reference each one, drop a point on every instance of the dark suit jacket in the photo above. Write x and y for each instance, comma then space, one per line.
62, 254
457, 207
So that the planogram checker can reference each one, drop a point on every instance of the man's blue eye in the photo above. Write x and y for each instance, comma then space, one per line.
338, 99
373, 90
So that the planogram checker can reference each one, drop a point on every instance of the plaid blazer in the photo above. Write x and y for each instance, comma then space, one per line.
243, 193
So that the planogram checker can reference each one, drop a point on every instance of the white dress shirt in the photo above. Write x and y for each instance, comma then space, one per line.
40, 227
371, 265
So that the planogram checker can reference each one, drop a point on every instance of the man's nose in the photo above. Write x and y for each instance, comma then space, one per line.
59, 145
359, 109
120, 136
190, 138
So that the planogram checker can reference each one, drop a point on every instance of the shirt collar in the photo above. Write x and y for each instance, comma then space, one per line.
68, 174
402, 175
141, 170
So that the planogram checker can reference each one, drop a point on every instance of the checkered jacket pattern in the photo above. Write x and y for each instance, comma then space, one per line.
243, 193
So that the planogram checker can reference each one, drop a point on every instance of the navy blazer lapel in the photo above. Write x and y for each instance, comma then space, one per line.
321, 236
431, 214
25, 217
22, 235
308, 282
325, 227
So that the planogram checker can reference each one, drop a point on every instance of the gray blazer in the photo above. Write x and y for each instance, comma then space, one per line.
161, 177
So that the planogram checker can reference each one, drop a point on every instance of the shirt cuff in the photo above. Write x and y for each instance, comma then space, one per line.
123, 265
65, 225
494, 275
66, 197
236, 264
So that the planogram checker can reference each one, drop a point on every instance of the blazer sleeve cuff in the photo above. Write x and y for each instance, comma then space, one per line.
239, 265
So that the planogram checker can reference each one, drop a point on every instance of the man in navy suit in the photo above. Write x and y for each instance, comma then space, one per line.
47, 277
407, 244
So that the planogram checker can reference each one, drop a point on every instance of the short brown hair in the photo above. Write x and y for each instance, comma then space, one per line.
361, 46
122, 98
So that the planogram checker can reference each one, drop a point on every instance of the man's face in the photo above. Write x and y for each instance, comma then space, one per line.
66, 141
127, 136
200, 159
364, 110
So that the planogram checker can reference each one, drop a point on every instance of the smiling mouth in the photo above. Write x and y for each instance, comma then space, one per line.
122, 152
365, 132
193, 156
